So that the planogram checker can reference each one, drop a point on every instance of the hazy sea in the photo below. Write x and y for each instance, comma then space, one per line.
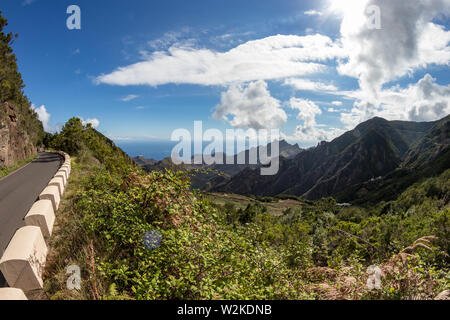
148, 149
157, 150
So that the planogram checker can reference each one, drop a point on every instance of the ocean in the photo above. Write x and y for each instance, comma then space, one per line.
148, 149
157, 150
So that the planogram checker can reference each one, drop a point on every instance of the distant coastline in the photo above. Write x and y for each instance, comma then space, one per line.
157, 150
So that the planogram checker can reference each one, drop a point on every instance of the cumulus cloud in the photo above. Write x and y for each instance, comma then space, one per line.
308, 85
94, 122
407, 40
43, 116
250, 106
310, 131
307, 110
425, 100
274, 57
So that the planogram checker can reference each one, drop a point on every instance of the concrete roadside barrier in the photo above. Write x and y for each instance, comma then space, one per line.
42, 215
51, 193
12, 294
23, 260
65, 170
62, 174
59, 182
66, 162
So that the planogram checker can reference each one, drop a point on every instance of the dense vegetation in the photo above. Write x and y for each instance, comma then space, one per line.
140, 235
203, 250
11, 88
87, 143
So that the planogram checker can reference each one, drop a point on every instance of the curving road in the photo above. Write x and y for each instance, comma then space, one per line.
19, 190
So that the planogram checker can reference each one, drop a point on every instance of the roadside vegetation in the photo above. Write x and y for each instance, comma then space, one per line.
11, 88
234, 247
6, 170
138, 235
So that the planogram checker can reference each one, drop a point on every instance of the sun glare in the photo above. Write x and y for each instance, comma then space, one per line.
346, 7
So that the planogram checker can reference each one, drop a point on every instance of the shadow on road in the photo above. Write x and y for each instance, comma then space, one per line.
49, 157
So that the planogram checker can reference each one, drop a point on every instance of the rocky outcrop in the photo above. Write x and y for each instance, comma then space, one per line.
15, 143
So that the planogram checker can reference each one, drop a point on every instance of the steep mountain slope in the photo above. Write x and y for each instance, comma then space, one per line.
428, 156
373, 149
434, 144
20, 130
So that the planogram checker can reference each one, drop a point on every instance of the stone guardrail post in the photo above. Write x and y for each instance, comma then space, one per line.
12, 294
24, 259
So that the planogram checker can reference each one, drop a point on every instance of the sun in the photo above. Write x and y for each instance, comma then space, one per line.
346, 8
352, 13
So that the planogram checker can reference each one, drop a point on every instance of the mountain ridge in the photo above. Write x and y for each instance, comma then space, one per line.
373, 149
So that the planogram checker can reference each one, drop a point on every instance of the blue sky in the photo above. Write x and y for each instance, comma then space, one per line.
299, 63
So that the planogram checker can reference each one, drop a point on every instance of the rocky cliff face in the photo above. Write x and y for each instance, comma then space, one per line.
15, 143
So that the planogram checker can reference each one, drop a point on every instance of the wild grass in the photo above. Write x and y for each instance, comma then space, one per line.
6, 170
70, 244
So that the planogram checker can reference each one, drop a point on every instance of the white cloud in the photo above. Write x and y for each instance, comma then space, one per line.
274, 57
312, 13
307, 110
43, 116
94, 122
308, 85
250, 106
310, 131
410, 39
422, 101
129, 97
406, 42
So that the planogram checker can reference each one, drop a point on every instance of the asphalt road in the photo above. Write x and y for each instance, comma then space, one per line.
20, 190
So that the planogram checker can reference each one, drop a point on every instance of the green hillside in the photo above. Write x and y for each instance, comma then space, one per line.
427, 157
139, 235
11, 90
234, 247
375, 156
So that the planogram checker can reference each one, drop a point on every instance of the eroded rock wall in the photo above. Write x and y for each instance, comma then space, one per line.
15, 144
